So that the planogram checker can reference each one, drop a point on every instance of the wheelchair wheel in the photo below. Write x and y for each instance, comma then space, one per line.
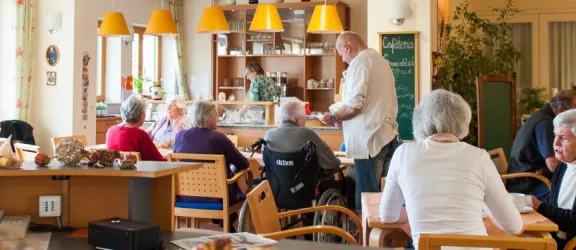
332, 218
245, 219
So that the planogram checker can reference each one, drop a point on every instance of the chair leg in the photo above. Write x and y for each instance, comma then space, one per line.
189, 222
176, 224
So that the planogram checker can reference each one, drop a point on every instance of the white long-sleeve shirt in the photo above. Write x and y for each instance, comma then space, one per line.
446, 186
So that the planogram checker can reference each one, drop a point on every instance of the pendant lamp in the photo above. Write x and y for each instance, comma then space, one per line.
325, 20
213, 21
266, 19
113, 24
161, 23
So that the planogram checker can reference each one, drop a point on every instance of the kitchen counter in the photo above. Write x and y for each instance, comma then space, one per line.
263, 126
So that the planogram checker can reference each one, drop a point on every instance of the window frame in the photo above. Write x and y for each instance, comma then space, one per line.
102, 83
139, 30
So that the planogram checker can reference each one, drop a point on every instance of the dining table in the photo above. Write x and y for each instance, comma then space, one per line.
375, 233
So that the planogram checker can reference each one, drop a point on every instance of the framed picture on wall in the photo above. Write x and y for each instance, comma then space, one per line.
51, 78
52, 55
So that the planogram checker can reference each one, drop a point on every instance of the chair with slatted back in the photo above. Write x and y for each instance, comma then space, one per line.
436, 241
267, 221
233, 138
137, 154
56, 140
26, 152
210, 181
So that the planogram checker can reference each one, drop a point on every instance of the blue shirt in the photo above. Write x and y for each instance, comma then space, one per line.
544, 134
164, 134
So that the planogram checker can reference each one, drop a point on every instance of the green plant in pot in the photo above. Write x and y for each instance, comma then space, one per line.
139, 82
532, 99
468, 41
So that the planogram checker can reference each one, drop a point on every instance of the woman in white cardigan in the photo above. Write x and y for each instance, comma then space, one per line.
445, 183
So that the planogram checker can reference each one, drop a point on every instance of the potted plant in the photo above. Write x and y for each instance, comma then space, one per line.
532, 99
101, 109
139, 82
468, 40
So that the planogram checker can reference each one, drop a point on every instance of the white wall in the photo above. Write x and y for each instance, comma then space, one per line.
198, 56
57, 111
423, 20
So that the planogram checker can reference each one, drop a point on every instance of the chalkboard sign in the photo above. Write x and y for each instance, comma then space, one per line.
401, 50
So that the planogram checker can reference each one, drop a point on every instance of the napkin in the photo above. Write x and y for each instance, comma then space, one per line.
6, 148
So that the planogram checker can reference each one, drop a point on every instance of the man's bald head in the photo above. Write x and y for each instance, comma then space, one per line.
349, 44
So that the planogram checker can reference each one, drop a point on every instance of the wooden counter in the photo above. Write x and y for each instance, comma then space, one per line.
102, 126
88, 194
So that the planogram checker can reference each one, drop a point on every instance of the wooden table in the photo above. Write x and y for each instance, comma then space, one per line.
145, 193
374, 231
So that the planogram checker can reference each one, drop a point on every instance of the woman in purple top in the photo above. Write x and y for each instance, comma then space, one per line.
202, 138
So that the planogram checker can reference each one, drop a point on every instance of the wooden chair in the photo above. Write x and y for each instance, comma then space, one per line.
137, 154
209, 181
267, 221
436, 241
233, 138
56, 140
26, 152
499, 159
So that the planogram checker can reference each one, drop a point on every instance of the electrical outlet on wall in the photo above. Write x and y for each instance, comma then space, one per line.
50, 206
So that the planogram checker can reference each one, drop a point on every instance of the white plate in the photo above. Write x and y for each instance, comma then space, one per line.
526, 209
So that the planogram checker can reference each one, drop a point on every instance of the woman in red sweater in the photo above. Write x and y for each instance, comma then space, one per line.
128, 136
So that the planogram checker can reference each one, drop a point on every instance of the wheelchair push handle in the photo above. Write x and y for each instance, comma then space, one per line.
257, 146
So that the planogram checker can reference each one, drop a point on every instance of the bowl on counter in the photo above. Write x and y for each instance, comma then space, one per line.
254, 113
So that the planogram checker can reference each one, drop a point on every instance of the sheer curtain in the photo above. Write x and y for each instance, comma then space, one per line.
177, 8
24, 55
562, 48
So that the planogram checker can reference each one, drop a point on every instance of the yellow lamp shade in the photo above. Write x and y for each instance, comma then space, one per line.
325, 19
161, 23
113, 24
266, 19
213, 21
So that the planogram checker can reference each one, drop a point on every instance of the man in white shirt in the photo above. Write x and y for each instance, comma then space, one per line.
369, 112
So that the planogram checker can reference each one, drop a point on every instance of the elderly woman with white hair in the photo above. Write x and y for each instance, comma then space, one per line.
202, 138
445, 183
560, 206
128, 136
164, 130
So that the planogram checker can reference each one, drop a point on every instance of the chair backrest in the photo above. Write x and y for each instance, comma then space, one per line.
56, 140
436, 241
208, 181
499, 159
26, 152
233, 138
137, 154
263, 209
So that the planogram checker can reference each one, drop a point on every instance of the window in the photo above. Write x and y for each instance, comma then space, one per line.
101, 68
146, 56
7, 54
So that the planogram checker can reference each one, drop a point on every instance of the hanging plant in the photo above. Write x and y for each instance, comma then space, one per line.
469, 38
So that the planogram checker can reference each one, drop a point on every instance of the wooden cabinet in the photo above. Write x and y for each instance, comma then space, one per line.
301, 55
102, 125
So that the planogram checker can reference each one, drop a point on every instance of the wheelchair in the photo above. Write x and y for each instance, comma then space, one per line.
298, 182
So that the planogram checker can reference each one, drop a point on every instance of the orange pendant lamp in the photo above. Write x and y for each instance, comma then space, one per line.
213, 21
266, 19
325, 20
161, 23
113, 24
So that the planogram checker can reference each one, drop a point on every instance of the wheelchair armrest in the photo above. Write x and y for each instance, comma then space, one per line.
312, 229
249, 180
335, 171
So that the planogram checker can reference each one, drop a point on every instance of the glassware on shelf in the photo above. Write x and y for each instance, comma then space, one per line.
236, 25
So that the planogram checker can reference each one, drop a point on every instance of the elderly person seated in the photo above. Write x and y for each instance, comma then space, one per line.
202, 138
445, 183
560, 206
164, 130
128, 136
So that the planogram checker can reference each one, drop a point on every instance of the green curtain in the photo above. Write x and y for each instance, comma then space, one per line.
24, 56
177, 8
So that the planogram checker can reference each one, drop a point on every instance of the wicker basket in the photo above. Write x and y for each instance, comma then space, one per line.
313, 121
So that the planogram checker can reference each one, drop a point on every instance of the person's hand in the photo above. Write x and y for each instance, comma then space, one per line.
326, 119
535, 202
338, 124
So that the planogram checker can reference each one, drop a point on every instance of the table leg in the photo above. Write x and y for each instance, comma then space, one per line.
140, 199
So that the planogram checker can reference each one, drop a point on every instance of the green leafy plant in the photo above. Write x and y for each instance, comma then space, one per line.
101, 106
139, 82
532, 99
469, 38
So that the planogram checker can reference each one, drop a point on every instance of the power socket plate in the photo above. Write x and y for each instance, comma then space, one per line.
50, 205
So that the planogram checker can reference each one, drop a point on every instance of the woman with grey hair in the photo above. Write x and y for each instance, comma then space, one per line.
445, 183
560, 206
128, 136
164, 130
202, 138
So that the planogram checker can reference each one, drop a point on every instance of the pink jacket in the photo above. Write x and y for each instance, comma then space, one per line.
179, 124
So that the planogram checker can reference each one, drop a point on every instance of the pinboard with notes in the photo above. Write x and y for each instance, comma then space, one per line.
401, 50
